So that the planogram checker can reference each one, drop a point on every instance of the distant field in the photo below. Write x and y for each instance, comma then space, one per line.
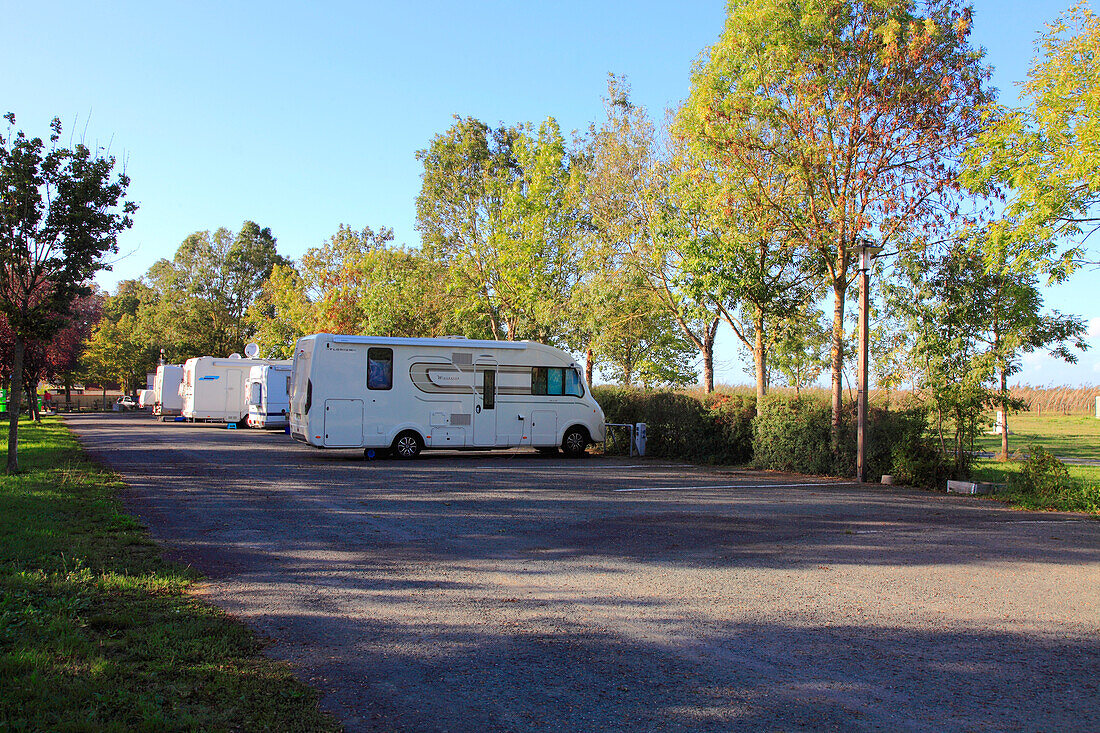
1066, 436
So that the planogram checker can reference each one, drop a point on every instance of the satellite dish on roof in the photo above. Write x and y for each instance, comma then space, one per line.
234, 355
252, 351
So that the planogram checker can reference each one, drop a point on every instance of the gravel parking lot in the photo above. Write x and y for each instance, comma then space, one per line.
512, 592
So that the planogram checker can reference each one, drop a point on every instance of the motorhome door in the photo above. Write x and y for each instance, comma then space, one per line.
485, 405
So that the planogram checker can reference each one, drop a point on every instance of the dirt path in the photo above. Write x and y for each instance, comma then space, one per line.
509, 592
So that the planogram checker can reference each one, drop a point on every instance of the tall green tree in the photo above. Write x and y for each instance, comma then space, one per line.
640, 237
61, 210
863, 108
204, 292
498, 210
1045, 154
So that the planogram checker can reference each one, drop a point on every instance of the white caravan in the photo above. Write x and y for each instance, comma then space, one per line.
405, 394
145, 398
269, 395
213, 388
167, 399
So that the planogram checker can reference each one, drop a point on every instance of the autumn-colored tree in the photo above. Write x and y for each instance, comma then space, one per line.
59, 358
862, 107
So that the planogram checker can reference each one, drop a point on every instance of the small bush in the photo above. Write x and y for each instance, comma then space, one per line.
1041, 474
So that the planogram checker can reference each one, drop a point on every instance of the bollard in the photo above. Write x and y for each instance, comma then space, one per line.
639, 438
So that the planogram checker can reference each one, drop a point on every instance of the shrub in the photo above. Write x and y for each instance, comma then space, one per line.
793, 434
1041, 474
682, 426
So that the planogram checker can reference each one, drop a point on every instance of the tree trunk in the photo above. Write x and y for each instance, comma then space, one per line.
759, 357
32, 402
14, 399
589, 365
707, 351
839, 285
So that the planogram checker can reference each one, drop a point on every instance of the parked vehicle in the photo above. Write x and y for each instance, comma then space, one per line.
125, 403
404, 395
213, 388
167, 394
269, 395
145, 399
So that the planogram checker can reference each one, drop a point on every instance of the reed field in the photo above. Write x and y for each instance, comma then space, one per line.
1063, 400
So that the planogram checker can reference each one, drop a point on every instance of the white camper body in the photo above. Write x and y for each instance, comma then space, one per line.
145, 398
167, 399
269, 395
406, 394
213, 388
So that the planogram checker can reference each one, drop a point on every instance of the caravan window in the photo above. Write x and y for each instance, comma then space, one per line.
255, 395
555, 381
379, 368
573, 383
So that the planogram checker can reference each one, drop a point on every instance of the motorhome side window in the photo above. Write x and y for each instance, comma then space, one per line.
256, 397
379, 368
554, 381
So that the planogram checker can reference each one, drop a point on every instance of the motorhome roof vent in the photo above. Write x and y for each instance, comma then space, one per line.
462, 358
234, 355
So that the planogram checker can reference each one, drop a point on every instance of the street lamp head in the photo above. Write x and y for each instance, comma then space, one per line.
868, 250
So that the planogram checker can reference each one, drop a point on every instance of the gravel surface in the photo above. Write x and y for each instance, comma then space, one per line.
513, 592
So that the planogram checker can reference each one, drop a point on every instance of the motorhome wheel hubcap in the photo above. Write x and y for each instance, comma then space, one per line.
407, 446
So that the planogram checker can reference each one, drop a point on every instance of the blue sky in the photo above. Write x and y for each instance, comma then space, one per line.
302, 117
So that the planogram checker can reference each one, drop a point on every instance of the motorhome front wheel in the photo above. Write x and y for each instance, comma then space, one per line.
575, 442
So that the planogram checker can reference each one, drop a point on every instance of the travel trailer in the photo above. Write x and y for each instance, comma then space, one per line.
269, 395
145, 399
213, 388
167, 399
403, 395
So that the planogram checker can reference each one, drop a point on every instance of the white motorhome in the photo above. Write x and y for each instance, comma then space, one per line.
167, 399
213, 388
145, 398
269, 395
407, 394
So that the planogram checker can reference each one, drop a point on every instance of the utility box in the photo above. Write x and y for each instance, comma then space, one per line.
1098, 405
639, 438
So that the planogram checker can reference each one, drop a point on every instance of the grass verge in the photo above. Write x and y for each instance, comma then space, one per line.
1081, 492
98, 633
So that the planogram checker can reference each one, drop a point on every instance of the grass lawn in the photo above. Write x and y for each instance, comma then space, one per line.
1066, 436
98, 633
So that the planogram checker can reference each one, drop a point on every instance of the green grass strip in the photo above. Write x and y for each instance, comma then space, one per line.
1080, 494
97, 632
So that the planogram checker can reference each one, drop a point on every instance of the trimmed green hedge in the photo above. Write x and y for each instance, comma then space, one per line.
718, 430
790, 434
